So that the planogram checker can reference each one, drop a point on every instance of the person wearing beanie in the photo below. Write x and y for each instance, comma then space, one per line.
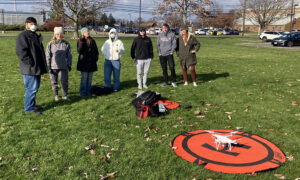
32, 63
142, 54
59, 62
166, 46
87, 61
187, 47
112, 50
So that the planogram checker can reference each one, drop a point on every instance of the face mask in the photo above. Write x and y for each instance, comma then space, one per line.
112, 36
33, 28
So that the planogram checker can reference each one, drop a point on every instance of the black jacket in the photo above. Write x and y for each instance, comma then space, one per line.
142, 48
88, 55
30, 51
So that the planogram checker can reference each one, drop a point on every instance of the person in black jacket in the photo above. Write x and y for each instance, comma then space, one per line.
87, 61
142, 54
32, 60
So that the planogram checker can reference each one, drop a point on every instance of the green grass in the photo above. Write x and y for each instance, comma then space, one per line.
231, 77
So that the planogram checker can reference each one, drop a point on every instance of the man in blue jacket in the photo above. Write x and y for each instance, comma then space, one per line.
30, 51
166, 45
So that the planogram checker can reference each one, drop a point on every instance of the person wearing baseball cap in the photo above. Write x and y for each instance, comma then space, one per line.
59, 62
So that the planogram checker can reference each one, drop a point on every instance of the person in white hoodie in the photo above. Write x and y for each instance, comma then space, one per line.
112, 50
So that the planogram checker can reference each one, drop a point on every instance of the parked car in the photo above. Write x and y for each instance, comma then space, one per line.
128, 30
158, 30
200, 32
289, 39
175, 31
269, 35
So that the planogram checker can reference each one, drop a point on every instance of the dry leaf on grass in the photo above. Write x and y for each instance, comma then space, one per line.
201, 117
239, 128
148, 139
92, 151
104, 146
290, 157
108, 155
229, 117
174, 148
253, 174
197, 112
1, 158
180, 118
89, 147
34, 169
293, 103
28, 158
279, 176
94, 140
228, 113
209, 179
108, 176
70, 167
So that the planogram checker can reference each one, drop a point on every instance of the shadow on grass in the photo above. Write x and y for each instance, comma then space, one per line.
202, 78
74, 96
211, 76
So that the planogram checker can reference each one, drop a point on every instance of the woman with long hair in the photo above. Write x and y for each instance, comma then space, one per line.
87, 61
187, 47
59, 62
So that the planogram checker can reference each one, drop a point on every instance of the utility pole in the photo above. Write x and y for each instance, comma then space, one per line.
244, 16
292, 13
3, 29
140, 18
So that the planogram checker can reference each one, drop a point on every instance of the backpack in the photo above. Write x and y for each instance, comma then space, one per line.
145, 111
145, 104
147, 98
100, 90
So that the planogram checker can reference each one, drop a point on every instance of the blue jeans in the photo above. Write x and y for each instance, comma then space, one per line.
32, 85
109, 67
86, 83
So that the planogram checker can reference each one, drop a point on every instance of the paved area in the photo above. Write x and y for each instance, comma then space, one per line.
269, 45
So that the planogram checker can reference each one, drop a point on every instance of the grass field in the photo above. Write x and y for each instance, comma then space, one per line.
257, 85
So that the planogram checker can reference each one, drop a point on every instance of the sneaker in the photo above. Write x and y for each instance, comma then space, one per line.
164, 84
140, 87
66, 98
174, 84
56, 98
195, 84
185, 83
145, 86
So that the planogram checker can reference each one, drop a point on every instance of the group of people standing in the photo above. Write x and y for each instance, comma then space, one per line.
57, 60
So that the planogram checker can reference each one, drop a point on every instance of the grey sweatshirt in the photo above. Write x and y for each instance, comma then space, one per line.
58, 55
166, 43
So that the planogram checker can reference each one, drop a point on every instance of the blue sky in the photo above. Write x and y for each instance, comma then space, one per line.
123, 9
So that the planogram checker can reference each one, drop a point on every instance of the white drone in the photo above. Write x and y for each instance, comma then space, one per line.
223, 140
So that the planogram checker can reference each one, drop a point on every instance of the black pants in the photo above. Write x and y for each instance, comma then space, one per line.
164, 60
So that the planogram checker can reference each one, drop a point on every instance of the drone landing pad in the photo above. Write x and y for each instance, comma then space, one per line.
251, 153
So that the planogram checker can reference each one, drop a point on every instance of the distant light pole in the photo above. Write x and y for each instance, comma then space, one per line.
292, 9
129, 19
244, 16
140, 18
3, 28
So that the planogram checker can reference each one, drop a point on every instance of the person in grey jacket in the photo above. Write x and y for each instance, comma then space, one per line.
32, 61
59, 62
166, 46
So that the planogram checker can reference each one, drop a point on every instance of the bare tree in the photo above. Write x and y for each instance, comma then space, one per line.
265, 12
75, 9
184, 8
